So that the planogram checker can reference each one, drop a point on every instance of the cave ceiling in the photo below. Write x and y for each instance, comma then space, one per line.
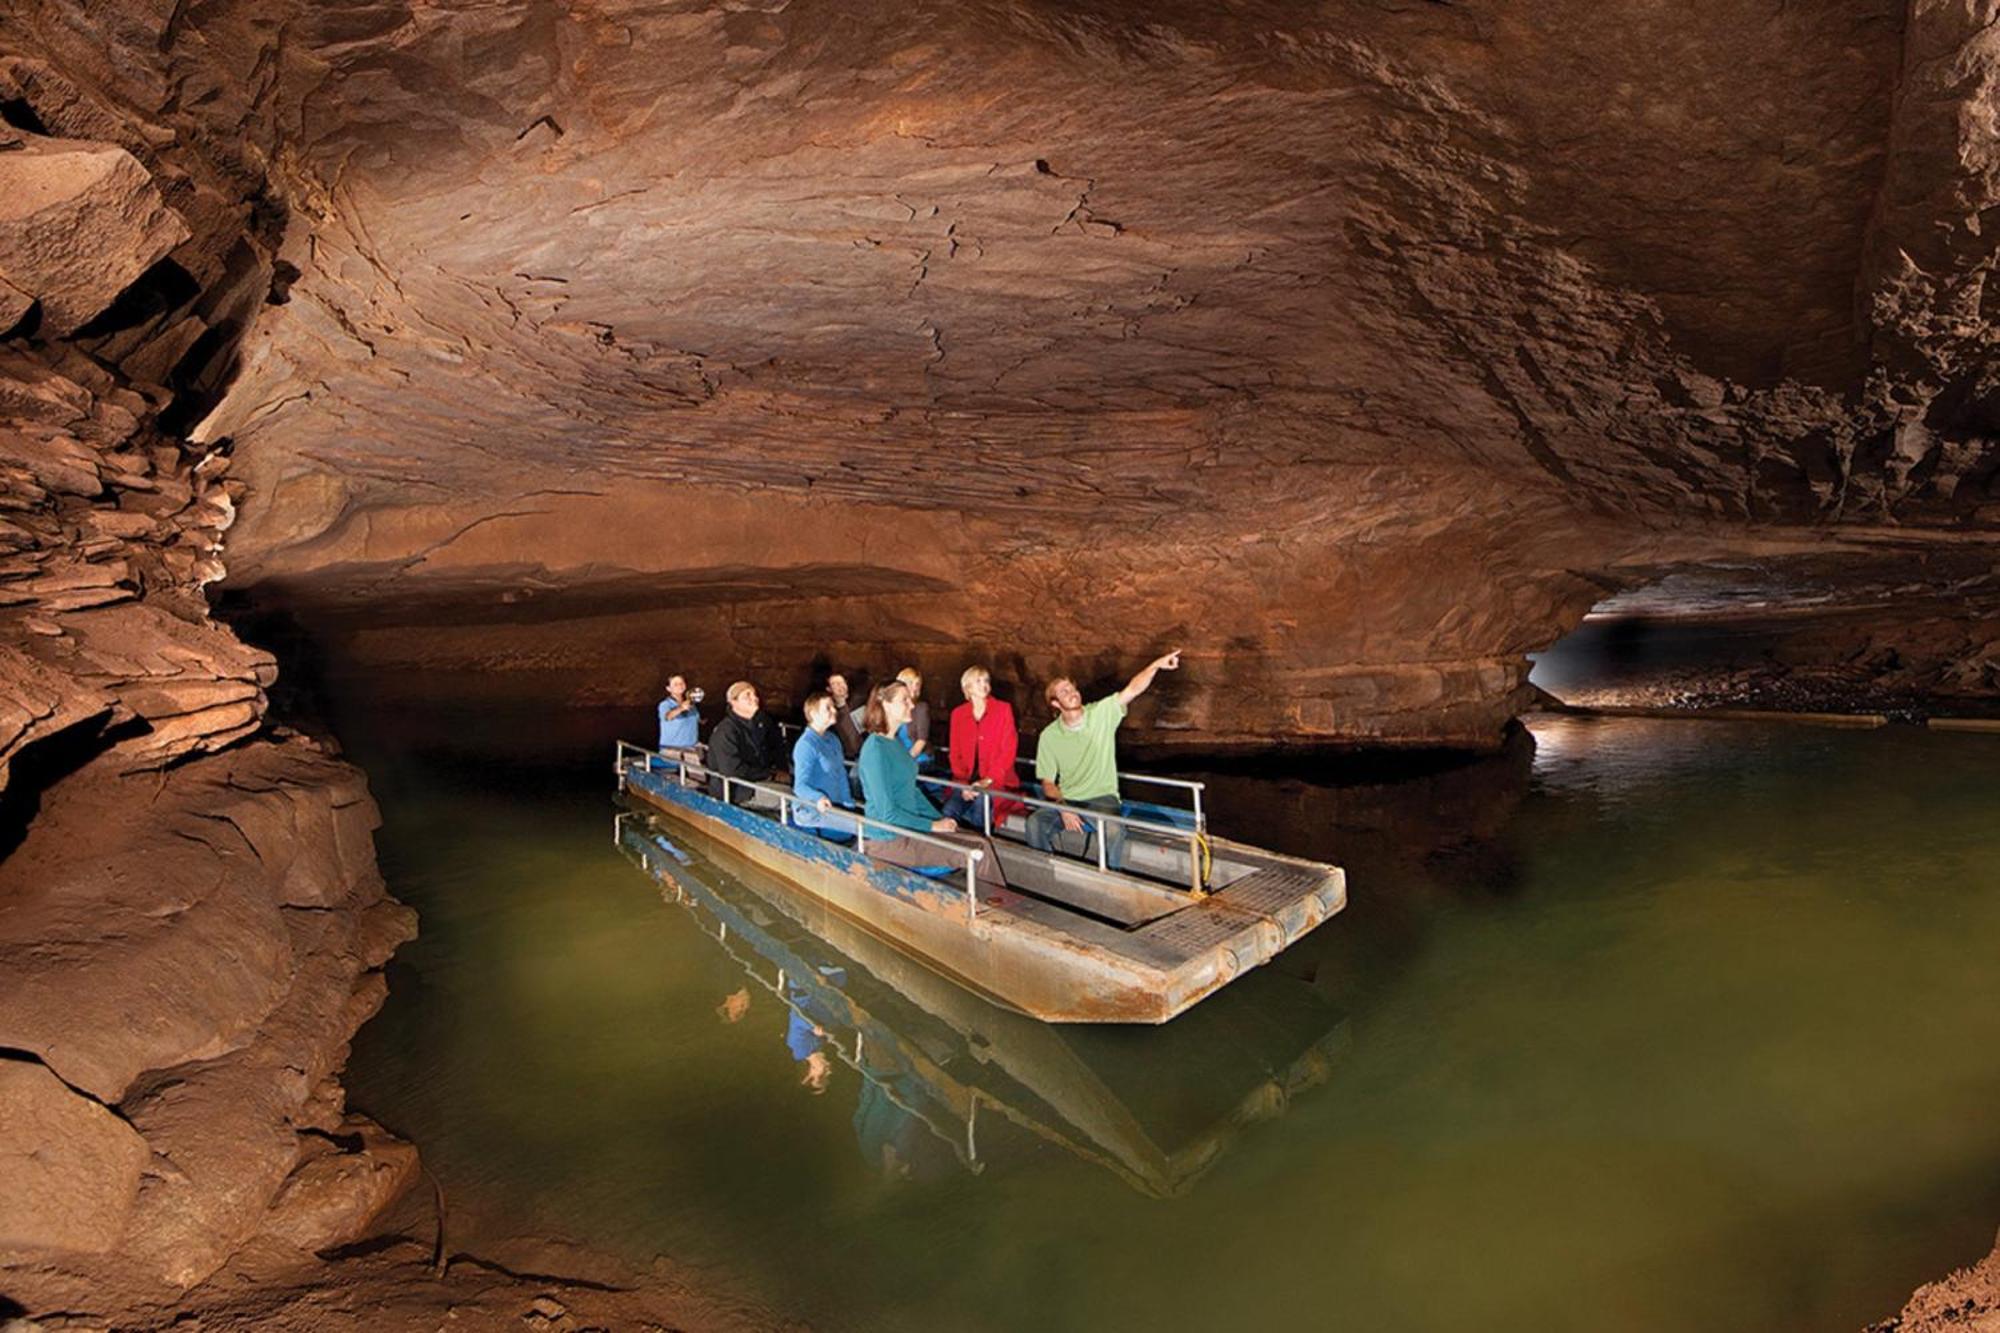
1374, 334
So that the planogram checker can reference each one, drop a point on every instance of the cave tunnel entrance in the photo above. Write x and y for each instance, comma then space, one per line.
1900, 633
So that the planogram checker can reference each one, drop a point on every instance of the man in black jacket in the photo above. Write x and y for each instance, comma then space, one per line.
745, 744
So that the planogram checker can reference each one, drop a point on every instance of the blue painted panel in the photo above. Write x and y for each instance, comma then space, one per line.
797, 843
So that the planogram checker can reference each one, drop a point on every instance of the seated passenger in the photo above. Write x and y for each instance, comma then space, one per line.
889, 783
984, 746
745, 744
916, 733
846, 717
819, 775
679, 718
1076, 761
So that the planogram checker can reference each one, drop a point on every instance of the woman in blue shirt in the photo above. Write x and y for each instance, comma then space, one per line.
889, 783
819, 775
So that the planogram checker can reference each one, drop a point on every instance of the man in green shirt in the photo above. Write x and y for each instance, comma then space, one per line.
1076, 760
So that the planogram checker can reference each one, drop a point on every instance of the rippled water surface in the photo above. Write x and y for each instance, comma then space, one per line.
1646, 1026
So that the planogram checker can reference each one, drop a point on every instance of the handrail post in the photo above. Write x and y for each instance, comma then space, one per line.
1194, 863
1199, 821
972, 857
1101, 865
986, 812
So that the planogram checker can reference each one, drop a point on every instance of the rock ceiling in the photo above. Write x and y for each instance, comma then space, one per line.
1363, 344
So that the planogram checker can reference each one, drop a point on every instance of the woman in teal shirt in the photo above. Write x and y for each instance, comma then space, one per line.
889, 784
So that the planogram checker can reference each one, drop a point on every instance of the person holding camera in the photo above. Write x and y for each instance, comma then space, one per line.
680, 720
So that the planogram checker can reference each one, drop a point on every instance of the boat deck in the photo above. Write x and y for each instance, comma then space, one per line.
1068, 940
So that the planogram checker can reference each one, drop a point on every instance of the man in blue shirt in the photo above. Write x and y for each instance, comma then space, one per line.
680, 721
820, 779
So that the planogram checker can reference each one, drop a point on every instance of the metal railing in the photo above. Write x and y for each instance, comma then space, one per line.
791, 729
685, 777
852, 1054
1193, 837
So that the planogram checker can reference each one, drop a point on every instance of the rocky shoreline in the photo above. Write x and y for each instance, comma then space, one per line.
1967, 1301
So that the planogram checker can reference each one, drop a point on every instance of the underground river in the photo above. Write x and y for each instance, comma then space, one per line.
1649, 1025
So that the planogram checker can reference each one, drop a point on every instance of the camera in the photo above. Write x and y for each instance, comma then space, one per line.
696, 695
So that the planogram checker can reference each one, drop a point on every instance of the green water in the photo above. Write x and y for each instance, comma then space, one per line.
1659, 1026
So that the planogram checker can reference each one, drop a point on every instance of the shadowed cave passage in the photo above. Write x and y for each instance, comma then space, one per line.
1910, 635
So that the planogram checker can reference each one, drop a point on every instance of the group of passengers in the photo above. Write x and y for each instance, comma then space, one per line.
887, 742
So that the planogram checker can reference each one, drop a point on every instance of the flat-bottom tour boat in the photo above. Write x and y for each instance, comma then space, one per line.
945, 1075
1069, 940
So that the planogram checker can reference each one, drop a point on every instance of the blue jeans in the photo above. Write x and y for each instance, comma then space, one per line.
967, 809
1045, 825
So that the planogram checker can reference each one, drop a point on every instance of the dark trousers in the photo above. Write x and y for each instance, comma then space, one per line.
1044, 826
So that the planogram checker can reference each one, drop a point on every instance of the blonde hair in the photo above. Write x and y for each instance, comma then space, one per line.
911, 677
972, 673
736, 689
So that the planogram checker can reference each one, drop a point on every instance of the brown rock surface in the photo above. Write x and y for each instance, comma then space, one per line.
1364, 349
79, 221
196, 953
72, 1167
191, 927
1968, 1301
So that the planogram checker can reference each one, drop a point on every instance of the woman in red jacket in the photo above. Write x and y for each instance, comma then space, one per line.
984, 744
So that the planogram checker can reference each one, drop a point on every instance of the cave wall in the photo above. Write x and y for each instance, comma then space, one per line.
191, 921
1361, 350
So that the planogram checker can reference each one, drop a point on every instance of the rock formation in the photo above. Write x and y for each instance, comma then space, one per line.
1363, 351
531, 348
191, 921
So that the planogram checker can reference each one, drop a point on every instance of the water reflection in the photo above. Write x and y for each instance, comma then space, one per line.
935, 1062
1654, 1027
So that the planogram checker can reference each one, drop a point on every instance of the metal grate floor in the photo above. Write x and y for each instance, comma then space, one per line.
1197, 929
1256, 897
1272, 888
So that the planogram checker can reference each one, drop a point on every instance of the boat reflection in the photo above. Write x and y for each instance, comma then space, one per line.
938, 1064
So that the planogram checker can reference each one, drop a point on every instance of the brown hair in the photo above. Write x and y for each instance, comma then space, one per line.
875, 720
814, 700
1049, 691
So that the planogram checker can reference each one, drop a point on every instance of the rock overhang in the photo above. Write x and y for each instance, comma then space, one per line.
1372, 344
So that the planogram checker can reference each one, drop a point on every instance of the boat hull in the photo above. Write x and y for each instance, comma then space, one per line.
1029, 956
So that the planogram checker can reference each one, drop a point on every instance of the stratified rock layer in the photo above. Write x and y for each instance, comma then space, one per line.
1362, 351
191, 922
